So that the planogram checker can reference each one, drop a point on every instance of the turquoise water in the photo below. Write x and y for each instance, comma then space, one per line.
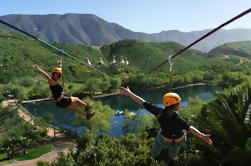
118, 102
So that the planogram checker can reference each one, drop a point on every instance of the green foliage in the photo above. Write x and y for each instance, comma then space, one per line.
115, 84
101, 119
193, 110
148, 121
26, 82
2, 98
40, 90
241, 48
42, 163
49, 118
228, 119
18, 53
16, 134
232, 79
35, 152
13, 91
131, 122
105, 150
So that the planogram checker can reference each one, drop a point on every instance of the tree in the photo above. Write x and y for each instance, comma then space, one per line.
101, 119
105, 150
25, 143
11, 145
228, 118
2, 98
49, 118
92, 86
115, 84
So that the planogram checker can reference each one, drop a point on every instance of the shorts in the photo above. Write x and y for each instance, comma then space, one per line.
64, 102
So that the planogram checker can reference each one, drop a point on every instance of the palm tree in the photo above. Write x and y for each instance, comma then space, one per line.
228, 117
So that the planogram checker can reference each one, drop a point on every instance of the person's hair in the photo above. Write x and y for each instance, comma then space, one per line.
52, 75
172, 107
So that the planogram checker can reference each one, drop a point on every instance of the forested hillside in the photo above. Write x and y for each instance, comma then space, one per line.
241, 49
18, 53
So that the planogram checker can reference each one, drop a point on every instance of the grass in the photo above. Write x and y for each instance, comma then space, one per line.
32, 153
3, 156
35, 152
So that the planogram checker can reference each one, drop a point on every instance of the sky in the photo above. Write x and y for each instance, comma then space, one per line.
149, 16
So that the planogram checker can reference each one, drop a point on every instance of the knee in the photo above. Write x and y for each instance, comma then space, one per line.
173, 151
74, 99
156, 149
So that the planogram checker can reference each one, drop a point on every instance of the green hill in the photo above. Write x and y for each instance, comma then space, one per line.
18, 53
144, 56
242, 49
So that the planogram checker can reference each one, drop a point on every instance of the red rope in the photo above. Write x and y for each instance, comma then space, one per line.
203, 37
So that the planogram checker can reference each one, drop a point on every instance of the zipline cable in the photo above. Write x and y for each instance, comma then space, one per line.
206, 35
49, 45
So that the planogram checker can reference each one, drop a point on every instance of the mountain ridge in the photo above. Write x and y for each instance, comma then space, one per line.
90, 29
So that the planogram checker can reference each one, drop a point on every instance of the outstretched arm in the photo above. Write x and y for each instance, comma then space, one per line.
42, 72
205, 137
126, 91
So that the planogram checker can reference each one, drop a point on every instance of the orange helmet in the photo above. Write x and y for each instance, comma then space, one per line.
170, 99
57, 70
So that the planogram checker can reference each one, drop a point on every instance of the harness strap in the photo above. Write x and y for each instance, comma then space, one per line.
173, 142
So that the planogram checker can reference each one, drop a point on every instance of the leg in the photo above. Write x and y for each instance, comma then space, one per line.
79, 102
75, 108
174, 150
76, 100
157, 146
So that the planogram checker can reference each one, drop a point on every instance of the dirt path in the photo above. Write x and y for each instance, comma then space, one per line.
225, 57
61, 141
241, 62
49, 157
96, 48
